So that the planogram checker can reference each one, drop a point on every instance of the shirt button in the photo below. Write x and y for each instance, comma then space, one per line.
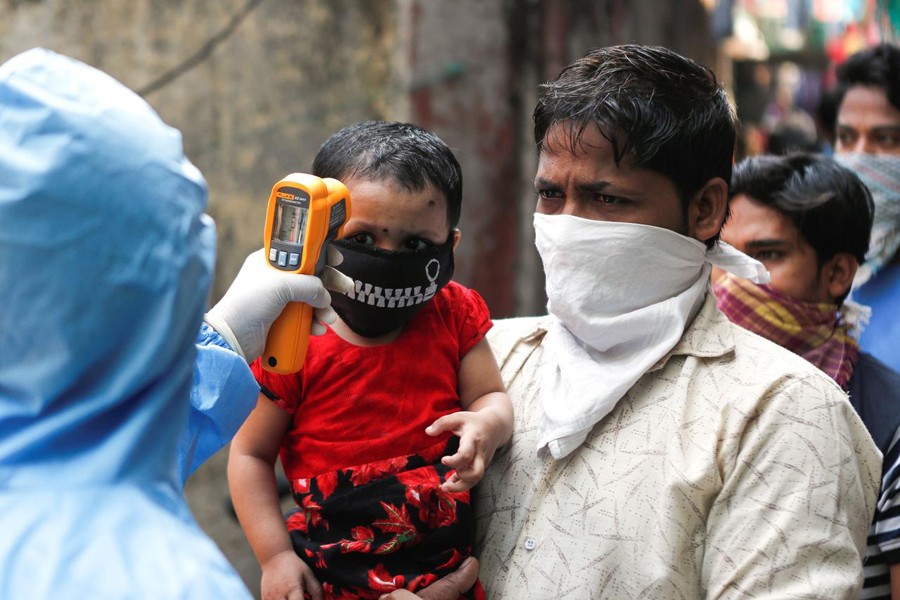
530, 543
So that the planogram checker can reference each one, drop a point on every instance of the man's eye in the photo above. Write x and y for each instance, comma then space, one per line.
363, 238
607, 199
766, 255
549, 194
888, 140
845, 138
417, 244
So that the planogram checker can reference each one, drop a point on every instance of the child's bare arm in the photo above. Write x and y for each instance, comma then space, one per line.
251, 480
484, 424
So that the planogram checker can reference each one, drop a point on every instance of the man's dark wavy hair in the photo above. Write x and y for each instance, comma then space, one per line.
658, 109
827, 203
878, 66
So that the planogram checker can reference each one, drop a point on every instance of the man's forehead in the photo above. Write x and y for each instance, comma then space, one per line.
758, 222
867, 104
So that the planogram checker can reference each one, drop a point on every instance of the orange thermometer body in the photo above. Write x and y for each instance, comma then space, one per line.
304, 214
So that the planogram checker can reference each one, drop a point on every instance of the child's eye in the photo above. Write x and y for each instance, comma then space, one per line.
363, 238
416, 244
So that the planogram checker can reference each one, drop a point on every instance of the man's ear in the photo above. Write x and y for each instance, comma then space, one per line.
837, 274
456, 236
707, 210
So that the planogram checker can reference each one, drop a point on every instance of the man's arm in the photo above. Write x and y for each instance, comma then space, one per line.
449, 587
798, 493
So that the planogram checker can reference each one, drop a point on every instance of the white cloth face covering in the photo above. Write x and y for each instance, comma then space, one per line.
621, 295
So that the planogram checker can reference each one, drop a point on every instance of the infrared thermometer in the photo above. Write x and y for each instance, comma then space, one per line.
304, 214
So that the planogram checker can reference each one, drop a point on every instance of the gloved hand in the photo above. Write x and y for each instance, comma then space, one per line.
258, 295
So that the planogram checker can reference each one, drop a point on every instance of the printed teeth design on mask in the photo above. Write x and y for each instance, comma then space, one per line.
390, 297
374, 295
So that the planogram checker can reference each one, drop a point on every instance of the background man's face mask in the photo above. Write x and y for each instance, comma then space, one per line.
881, 174
390, 286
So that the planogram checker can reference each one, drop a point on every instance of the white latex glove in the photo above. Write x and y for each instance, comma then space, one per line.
259, 293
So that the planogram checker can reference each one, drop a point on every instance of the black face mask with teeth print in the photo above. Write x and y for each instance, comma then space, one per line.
390, 286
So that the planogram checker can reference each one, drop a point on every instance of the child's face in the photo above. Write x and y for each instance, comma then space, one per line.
387, 216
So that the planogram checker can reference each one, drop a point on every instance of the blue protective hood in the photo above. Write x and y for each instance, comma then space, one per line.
105, 262
106, 258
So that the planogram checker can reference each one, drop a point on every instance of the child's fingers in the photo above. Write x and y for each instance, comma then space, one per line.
456, 461
465, 454
471, 473
466, 476
446, 423
455, 484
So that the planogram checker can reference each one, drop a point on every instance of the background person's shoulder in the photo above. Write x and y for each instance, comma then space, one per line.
770, 361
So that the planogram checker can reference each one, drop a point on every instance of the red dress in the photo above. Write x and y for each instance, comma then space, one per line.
364, 474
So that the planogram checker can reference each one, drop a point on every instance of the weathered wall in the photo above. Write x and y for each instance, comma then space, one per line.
253, 110
274, 78
279, 76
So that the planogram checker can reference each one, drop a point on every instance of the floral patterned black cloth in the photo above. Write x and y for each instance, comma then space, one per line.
370, 529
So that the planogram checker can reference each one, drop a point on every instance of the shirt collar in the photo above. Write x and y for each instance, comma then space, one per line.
708, 336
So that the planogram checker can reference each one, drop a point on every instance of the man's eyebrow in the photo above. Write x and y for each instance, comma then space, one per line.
595, 186
589, 185
878, 128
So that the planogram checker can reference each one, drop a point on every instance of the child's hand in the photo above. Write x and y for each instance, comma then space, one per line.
478, 440
285, 577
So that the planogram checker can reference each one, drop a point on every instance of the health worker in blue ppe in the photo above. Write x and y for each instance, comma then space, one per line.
112, 389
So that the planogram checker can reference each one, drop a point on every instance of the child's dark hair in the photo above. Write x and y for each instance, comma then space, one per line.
827, 203
404, 153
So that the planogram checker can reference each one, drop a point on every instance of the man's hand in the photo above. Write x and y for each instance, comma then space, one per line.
450, 587
258, 295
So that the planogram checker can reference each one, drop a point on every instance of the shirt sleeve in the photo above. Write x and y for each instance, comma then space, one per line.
473, 317
222, 395
798, 494
283, 390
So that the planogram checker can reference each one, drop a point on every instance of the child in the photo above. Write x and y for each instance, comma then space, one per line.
399, 407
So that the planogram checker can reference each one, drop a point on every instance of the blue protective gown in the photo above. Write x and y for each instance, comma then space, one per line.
105, 262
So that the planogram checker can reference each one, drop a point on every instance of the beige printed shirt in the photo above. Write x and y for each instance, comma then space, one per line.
733, 469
